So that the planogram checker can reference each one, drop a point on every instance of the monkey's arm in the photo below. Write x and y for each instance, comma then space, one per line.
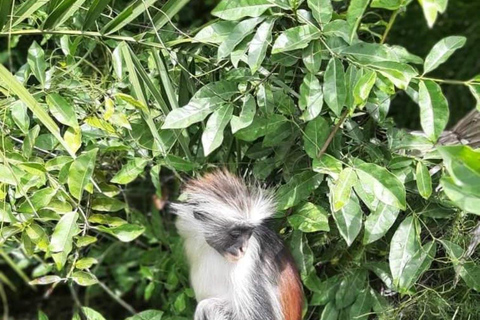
213, 309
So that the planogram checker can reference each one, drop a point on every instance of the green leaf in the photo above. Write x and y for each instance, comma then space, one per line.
297, 189
259, 44
42, 316
475, 90
63, 233
212, 136
349, 220
404, 245
94, 12
431, 8
125, 232
334, 89
73, 138
216, 32
7, 176
312, 56
62, 11
36, 61
91, 314
309, 218
241, 30
385, 186
315, 135
399, 73
388, 4
204, 102
5, 9
246, 115
85, 241
106, 204
147, 315
20, 116
342, 188
84, 279
26, 9
360, 309
419, 263
434, 111
465, 199
39, 199
130, 171
322, 10
45, 280
349, 288
463, 164
424, 181
295, 38
441, 51
62, 110
167, 12
236, 10
328, 165
109, 220
80, 173
379, 222
354, 15
127, 15
363, 87
311, 97
330, 312
85, 263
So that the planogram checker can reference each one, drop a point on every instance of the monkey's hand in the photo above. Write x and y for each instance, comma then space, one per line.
213, 309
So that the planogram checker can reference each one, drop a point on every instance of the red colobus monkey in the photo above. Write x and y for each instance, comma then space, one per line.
239, 269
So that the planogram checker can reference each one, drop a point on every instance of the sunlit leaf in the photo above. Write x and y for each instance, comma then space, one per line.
441, 51
434, 111
213, 134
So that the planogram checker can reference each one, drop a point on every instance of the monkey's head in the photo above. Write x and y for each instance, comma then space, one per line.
223, 211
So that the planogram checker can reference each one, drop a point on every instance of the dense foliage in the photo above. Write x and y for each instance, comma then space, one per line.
116, 103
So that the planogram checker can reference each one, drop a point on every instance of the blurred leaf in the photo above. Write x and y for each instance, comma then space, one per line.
355, 12
85, 263
379, 222
84, 279
321, 10
107, 204
26, 9
441, 51
91, 314
94, 12
39, 199
167, 12
36, 61
45, 280
85, 241
259, 44
73, 138
42, 316
63, 10
295, 38
106, 219
419, 263
315, 135
80, 173
404, 245
241, 30
431, 8
330, 312
434, 112
385, 186
125, 232
311, 97
62, 110
334, 89
363, 87
235, 10
424, 181
349, 220
147, 315
205, 101
297, 189
216, 32
309, 218
342, 188
349, 288
127, 15
467, 200
363, 304
20, 116
463, 164
399, 73
312, 56
246, 115
388, 4
213, 134
130, 171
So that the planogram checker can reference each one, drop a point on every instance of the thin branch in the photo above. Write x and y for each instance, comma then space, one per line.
445, 81
119, 300
332, 133
389, 26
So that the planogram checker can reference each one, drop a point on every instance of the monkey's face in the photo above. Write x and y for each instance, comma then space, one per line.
230, 241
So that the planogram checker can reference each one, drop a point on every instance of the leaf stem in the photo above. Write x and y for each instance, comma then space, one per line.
445, 81
389, 26
332, 133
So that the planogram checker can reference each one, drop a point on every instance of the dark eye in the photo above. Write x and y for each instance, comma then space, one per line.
199, 216
235, 234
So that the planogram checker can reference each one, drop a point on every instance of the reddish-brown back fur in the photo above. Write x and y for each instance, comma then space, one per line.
291, 291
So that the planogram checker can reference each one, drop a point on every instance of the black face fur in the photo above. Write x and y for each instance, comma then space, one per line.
228, 240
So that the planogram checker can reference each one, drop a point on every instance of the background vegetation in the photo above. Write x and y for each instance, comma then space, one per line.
105, 104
